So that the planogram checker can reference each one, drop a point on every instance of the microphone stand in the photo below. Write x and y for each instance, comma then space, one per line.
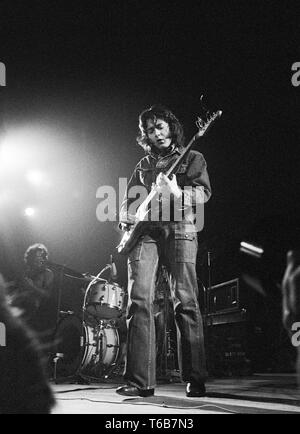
61, 276
207, 311
209, 281
56, 357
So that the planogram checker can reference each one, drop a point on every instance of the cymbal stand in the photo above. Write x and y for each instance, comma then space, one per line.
61, 277
209, 281
207, 291
99, 351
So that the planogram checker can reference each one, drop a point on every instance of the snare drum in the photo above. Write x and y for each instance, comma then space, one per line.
105, 300
85, 349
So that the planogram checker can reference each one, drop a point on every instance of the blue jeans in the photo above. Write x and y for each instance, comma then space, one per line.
176, 247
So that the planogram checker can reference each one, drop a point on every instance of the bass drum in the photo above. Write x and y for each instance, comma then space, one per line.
81, 348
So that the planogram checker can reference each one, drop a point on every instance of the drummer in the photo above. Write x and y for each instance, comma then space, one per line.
34, 293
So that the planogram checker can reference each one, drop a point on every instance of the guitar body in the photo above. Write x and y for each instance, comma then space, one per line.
130, 238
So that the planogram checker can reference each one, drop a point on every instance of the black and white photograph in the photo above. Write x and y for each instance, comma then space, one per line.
149, 209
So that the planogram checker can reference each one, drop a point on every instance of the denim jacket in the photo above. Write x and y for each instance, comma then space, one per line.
192, 178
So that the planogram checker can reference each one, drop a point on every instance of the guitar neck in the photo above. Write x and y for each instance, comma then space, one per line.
150, 196
202, 130
179, 160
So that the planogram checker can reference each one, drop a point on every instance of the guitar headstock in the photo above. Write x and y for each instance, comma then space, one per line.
204, 125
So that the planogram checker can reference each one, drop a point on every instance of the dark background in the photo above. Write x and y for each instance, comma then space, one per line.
80, 73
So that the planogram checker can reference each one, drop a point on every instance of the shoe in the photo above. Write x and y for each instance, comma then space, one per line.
129, 390
195, 390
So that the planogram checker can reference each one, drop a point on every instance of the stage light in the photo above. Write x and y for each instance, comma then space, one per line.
29, 212
35, 177
251, 249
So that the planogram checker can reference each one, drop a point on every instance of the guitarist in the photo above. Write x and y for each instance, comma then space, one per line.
170, 241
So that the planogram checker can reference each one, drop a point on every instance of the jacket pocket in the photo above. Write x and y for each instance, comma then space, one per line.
182, 169
186, 246
136, 253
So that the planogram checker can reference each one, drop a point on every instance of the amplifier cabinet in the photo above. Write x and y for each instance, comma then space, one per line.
224, 297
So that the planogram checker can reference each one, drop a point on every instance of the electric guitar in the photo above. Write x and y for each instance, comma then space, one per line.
131, 236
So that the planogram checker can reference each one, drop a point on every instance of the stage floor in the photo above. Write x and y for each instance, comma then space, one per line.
267, 394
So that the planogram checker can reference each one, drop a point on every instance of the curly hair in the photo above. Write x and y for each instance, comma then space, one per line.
31, 251
159, 112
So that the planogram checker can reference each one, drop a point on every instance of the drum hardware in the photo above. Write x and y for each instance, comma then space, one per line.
69, 272
104, 300
57, 358
87, 346
208, 291
94, 280
83, 351
78, 378
87, 278
63, 313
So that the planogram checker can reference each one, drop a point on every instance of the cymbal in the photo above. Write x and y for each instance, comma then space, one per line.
64, 269
86, 278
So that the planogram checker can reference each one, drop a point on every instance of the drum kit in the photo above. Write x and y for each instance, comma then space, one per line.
87, 345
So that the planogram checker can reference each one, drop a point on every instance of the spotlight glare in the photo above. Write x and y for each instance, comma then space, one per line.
29, 212
35, 177
5, 196
13, 153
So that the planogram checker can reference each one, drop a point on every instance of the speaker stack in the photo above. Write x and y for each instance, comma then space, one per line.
233, 340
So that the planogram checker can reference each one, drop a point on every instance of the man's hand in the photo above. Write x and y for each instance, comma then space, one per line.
165, 186
291, 290
125, 226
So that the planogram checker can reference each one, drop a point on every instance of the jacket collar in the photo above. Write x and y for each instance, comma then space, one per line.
173, 149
